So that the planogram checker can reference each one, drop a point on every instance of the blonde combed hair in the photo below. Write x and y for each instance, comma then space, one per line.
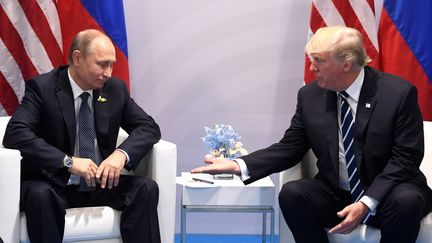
343, 42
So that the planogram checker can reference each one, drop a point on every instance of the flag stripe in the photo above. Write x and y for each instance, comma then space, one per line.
113, 24
13, 43
357, 14
8, 98
50, 11
68, 12
329, 12
354, 20
32, 44
318, 23
371, 5
41, 27
413, 20
11, 71
393, 59
364, 14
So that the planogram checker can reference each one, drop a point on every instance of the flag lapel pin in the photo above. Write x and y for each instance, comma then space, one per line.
368, 105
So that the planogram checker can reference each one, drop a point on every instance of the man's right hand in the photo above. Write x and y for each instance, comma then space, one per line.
218, 166
85, 168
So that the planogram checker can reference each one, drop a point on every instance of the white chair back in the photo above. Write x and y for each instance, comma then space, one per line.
3, 123
426, 165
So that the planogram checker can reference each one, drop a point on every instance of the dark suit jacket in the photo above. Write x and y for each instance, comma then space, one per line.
43, 128
389, 141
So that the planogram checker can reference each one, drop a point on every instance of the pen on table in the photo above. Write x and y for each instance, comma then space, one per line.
202, 180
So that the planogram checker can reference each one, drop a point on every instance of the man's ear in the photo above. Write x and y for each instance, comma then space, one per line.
76, 56
347, 65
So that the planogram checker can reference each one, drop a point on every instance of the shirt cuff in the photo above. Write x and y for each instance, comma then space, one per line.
371, 203
244, 172
127, 156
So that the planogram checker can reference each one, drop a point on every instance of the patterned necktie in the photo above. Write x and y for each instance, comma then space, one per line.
87, 136
347, 127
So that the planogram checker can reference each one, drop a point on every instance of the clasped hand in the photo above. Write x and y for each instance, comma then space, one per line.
108, 172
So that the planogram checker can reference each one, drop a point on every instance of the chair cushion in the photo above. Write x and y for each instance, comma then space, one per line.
425, 234
89, 223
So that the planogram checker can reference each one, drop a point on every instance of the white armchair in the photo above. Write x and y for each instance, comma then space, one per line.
363, 234
90, 224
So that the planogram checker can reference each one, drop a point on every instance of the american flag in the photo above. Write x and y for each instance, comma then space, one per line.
35, 36
30, 44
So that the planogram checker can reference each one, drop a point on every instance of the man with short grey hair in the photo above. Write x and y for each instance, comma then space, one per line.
66, 130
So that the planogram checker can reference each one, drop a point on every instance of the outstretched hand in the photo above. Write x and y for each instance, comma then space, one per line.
218, 166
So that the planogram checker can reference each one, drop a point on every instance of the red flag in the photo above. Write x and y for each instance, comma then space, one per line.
352, 13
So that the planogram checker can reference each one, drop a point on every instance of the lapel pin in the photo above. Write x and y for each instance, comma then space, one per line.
368, 105
101, 99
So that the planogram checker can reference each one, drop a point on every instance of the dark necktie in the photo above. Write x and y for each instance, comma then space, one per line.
87, 136
347, 127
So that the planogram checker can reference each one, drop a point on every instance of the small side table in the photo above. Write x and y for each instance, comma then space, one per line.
230, 196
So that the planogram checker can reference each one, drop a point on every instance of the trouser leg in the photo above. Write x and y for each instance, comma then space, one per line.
44, 209
137, 197
400, 213
309, 207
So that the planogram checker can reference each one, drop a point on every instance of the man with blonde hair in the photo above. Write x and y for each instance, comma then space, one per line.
366, 130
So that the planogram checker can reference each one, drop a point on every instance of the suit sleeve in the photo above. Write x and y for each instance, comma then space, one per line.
282, 155
22, 132
407, 150
143, 131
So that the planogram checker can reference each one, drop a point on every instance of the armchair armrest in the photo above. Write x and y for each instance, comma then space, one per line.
160, 164
10, 165
305, 169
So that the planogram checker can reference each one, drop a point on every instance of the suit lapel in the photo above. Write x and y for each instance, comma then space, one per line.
365, 107
332, 130
65, 99
101, 105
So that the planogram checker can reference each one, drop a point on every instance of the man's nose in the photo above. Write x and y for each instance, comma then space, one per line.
107, 72
312, 67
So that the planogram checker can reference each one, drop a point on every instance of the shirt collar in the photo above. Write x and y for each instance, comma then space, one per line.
354, 89
76, 90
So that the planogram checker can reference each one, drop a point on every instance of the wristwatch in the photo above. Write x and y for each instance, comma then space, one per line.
68, 161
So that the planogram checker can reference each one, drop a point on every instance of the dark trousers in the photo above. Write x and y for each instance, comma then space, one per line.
309, 207
137, 197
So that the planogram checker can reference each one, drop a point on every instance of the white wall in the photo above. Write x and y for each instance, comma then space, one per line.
195, 63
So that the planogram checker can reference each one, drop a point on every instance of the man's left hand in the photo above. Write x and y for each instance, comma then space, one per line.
109, 169
352, 214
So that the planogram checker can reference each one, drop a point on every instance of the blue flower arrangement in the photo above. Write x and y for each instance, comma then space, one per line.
223, 142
